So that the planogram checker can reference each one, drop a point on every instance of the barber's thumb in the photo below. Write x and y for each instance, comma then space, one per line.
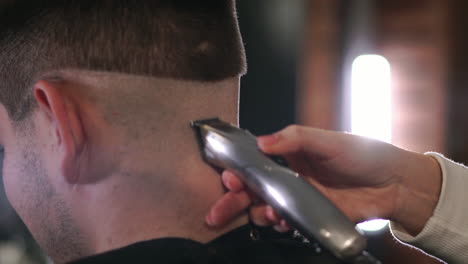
267, 143
288, 140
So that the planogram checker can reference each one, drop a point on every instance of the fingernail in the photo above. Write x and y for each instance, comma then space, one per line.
284, 224
279, 229
226, 181
269, 140
270, 214
282, 227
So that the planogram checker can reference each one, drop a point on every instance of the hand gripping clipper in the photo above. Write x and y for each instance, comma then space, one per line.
299, 203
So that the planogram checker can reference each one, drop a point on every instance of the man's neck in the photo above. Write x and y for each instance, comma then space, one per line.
140, 174
177, 193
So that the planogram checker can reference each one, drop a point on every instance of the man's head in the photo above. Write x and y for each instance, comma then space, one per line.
191, 40
96, 97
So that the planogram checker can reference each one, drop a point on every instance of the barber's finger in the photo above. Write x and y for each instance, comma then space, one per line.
227, 208
258, 215
294, 139
288, 140
264, 215
282, 227
231, 181
272, 216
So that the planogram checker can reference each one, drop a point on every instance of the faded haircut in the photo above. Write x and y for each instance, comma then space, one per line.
180, 39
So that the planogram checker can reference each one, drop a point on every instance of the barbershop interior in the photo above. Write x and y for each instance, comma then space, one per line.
392, 70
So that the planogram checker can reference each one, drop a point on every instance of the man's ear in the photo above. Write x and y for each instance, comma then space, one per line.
61, 112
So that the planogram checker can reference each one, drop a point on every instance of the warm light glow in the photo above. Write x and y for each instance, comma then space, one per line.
373, 225
371, 107
371, 97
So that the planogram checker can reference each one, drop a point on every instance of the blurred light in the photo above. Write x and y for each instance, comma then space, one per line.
10, 253
373, 225
371, 107
284, 22
371, 97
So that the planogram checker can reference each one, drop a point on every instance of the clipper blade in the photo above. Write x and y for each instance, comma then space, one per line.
199, 126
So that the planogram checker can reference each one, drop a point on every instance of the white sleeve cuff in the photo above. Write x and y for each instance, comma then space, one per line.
445, 235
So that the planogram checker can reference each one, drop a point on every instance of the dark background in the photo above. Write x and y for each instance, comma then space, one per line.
267, 100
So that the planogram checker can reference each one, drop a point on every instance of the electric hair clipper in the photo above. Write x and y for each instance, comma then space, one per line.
298, 202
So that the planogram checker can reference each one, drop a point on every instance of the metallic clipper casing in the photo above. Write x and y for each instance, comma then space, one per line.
299, 203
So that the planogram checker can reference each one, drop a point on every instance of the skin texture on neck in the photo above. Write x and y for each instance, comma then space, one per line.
160, 186
134, 172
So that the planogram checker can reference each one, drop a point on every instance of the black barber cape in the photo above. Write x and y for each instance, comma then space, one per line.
237, 246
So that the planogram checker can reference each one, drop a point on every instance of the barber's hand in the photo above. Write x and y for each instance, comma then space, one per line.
365, 178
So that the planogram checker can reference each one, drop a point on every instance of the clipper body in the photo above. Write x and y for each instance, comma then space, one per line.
300, 204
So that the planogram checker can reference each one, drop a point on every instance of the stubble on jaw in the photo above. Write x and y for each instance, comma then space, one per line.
45, 213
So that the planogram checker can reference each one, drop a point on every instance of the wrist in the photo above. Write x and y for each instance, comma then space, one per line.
419, 191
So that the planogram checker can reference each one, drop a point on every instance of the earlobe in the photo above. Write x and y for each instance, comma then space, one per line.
63, 119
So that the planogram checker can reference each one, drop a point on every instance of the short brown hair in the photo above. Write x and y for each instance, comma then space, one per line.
182, 39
